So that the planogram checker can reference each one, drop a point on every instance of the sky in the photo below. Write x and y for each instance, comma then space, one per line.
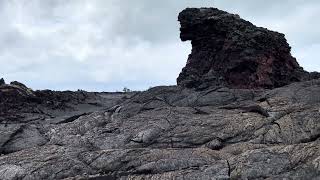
106, 45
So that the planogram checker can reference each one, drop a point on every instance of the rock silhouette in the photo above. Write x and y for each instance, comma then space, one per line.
2, 82
168, 132
229, 51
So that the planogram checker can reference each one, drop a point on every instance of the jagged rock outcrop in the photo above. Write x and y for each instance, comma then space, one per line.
229, 51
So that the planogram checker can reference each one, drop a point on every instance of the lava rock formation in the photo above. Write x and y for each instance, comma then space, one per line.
229, 51
172, 132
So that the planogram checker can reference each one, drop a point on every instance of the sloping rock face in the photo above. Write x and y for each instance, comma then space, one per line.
166, 133
229, 51
26, 114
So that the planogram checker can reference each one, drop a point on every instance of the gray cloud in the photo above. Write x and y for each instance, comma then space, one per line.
106, 45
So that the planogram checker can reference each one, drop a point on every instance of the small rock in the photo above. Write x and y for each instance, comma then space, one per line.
2, 82
215, 144
147, 136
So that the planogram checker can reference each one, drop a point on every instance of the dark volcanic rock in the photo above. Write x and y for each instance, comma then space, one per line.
25, 114
227, 50
2, 82
169, 133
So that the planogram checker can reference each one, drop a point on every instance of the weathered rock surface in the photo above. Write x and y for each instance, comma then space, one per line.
229, 51
25, 115
166, 133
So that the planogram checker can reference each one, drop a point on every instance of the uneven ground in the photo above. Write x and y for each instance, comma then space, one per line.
162, 133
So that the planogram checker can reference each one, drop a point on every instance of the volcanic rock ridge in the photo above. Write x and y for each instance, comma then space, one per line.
243, 109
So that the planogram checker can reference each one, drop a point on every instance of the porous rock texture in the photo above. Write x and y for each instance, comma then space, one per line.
164, 133
230, 51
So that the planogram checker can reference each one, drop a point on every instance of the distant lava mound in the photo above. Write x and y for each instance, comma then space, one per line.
230, 51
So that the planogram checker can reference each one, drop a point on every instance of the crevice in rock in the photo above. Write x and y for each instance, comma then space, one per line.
311, 139
103, 177
229, 168
199, 111
251, 108
73, 118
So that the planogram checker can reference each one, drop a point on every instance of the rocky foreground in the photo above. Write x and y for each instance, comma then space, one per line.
202, 130
163, 133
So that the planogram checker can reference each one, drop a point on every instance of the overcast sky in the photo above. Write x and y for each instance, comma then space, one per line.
105, 45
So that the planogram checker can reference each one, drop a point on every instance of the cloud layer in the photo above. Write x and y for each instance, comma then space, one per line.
107, 45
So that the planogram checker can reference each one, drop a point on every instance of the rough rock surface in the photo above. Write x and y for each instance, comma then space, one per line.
229, 51
164, 133
25, 115
167, 132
